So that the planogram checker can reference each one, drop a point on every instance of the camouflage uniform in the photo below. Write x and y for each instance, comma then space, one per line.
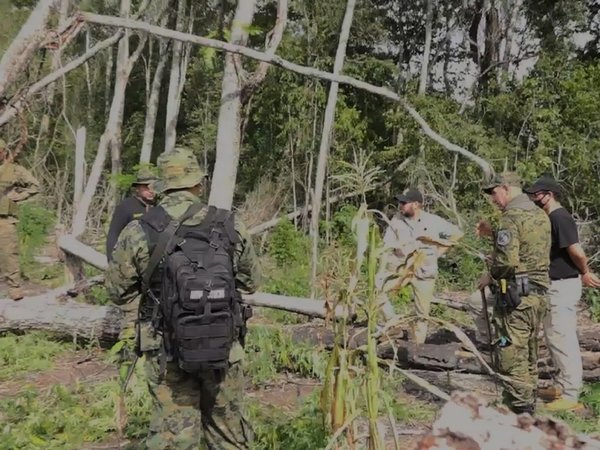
203, 410
16, 184
521, 245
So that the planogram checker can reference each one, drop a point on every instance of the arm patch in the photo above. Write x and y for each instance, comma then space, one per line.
503, 238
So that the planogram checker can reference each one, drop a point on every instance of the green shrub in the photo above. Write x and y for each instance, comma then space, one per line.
270, 351
288, 246
34, 225
31, 352
277, 431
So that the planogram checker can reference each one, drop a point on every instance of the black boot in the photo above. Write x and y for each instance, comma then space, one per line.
530, 409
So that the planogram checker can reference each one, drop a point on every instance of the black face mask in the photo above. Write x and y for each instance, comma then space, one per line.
540, 203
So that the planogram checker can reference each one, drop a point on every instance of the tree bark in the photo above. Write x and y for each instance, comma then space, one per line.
511, 20
297, 68
426, 47
17, 106
52, 313
228, 133
176, 79
17, 56
55, 313
152, 106
468, 422
324, 147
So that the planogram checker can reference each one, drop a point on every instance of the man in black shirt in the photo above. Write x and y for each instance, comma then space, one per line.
131, 208
568, 271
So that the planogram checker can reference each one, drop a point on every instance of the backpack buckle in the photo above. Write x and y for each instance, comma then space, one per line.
213, 245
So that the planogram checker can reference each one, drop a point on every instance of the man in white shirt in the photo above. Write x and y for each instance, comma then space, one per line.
414, 241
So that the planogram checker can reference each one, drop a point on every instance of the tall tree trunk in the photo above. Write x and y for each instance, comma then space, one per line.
228, 133
426, 48
511, 20
177, 78
340, 55
17, 56
153, 98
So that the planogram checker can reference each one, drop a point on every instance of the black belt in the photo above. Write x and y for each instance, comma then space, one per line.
565, 278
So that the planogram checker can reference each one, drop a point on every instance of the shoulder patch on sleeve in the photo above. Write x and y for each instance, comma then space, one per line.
503, 238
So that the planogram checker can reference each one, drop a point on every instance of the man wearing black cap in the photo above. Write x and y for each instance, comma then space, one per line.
413, 232
132, 207
568, 270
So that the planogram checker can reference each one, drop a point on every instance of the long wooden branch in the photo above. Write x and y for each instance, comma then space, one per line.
12, 110
30, 37
280, 62
276, 35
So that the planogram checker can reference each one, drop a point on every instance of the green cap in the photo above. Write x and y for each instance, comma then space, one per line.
503, 179
145, 176
178, 169
2, 144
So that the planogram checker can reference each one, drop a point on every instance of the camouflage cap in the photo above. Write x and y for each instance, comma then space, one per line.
503, 179
2, 144
178, 169
145, 176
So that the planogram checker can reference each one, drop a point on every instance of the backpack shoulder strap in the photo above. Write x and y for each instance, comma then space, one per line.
163, 241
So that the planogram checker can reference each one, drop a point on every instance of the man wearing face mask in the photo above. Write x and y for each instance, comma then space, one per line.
413, 230
568, 271
131, 208
518, 279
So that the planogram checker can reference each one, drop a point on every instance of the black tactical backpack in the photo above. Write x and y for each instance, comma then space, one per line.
190, 277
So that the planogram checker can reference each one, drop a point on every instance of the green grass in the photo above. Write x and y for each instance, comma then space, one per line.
270, 351
300, 431
66, 417
32, 352
590, 397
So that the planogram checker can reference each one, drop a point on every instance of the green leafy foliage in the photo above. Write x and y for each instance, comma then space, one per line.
34, 224
270, 351
27, 353
592, 298
301, 430
288, 249
66, 417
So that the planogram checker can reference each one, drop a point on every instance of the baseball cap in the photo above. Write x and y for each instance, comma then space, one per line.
410, 195
544, 183
503, 179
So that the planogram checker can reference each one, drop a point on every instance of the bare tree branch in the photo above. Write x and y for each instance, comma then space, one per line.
30, 37
273, 41
288, 65
12, 110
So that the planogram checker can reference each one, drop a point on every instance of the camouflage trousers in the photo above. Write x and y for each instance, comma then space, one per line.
517, 357
203, 411
9, 252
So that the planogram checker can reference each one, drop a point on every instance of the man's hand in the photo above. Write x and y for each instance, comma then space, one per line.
590, 279
484, 281
483, 229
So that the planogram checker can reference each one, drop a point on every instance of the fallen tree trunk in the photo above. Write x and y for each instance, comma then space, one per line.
56, 313
442, 352
62, 316
467, 422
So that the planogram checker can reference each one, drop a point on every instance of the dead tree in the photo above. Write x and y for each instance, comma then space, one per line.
18, 55
324, 147
236, 89
179, 64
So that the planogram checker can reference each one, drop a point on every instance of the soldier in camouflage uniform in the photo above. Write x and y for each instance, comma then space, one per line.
16, 184
204, 410
521, 248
